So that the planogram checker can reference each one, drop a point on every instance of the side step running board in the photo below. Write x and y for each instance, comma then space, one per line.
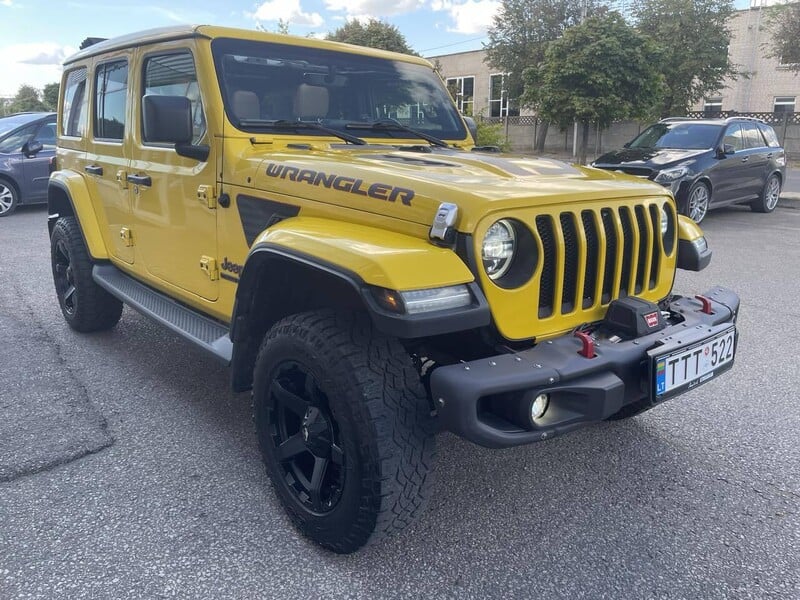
198, 329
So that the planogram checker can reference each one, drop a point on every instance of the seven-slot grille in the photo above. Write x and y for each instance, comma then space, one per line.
591, 257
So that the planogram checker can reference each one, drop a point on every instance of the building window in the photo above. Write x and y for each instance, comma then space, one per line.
462, 89
784, 104
498, 95
712, 106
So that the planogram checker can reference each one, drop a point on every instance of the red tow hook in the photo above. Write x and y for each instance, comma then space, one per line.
587, 351
706, 304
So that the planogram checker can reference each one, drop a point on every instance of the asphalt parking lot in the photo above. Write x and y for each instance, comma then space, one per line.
129, 470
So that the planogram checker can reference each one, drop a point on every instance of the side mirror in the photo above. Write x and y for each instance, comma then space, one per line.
167, 119
32, 148
472, 127
626, 145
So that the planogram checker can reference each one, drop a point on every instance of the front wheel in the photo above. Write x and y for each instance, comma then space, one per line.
344, 427
697, 202
85, 305
769, 197
8, 198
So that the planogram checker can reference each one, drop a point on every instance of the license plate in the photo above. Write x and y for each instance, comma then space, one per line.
685, 369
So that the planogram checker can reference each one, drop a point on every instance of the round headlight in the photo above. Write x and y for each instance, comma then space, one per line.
498, 248
664, 220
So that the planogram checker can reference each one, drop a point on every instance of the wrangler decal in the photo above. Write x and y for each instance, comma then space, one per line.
379, 191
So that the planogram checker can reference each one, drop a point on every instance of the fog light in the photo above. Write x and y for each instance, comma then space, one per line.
539, 406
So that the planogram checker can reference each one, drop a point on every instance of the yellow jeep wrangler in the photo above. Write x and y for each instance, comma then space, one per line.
317, 216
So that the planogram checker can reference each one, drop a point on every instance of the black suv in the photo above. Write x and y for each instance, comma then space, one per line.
707, 163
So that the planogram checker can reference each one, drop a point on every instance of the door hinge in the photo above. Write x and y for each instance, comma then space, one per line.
207, 195
209, 266
122, 179
126, 235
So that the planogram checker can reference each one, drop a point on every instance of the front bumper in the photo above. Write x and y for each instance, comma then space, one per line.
477, 400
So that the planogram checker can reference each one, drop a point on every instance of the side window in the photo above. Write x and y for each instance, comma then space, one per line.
47, 135
733, 137
73, 121
111, 92
752, 136
13, 143
174, 75
769, 135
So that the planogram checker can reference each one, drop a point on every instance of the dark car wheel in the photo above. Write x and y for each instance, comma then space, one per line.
85, 305
697, 202
8, 198
344, 427
769, 197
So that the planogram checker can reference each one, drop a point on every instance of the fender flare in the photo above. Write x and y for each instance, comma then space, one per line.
67, 195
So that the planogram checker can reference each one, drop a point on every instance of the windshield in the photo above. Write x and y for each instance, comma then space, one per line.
269, 82
12, 122
687, 136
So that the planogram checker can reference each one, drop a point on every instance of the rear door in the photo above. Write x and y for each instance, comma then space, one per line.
173, 201
758, 161
108, 150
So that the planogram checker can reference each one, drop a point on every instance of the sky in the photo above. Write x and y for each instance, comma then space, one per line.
37, 35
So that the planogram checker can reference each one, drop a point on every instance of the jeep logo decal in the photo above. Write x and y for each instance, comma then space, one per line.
379, 191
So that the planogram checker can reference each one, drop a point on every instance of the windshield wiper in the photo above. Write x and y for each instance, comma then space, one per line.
393, 124
287, 124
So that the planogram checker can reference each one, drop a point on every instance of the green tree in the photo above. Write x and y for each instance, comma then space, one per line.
50, 95
599, 71
783, 23
373, 33
521, 31
693, 36
28, 99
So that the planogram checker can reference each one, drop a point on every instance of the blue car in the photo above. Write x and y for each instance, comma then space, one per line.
27, 146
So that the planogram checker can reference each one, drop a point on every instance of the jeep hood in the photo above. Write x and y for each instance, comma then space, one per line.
410, 184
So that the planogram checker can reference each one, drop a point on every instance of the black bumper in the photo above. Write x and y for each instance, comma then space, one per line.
477, 400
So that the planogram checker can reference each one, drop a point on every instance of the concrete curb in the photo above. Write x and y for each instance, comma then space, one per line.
790, 200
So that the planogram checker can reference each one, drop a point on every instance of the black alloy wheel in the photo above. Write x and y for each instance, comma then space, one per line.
64, 277
306, 438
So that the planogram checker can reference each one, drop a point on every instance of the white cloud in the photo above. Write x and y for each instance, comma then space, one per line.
375, 8
470, 16
6, 3
288, 11
33, 64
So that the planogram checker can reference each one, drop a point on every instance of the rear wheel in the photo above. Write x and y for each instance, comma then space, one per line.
344, 427
769, 197
8, 198
85, 305
697, 202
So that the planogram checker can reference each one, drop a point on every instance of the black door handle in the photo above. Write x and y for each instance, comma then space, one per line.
140, 180
93, 169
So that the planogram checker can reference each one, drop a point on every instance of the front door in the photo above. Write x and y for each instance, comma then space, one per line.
729, 174
36, 167
176, 228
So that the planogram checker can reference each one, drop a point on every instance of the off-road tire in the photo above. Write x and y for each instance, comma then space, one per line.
86, 307
9, 198
767, 202
380, 413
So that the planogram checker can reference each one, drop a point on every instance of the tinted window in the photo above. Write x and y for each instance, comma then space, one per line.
73, 120
752, 136
734, 137
262, 81
175, 75
13, 143
111, 92
689, 136
769, 135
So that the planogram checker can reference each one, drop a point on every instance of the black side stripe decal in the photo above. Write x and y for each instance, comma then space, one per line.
257, 214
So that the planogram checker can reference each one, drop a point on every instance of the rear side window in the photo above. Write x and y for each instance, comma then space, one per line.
73, 121
752, 136
769, 135
174, 75
111, 94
